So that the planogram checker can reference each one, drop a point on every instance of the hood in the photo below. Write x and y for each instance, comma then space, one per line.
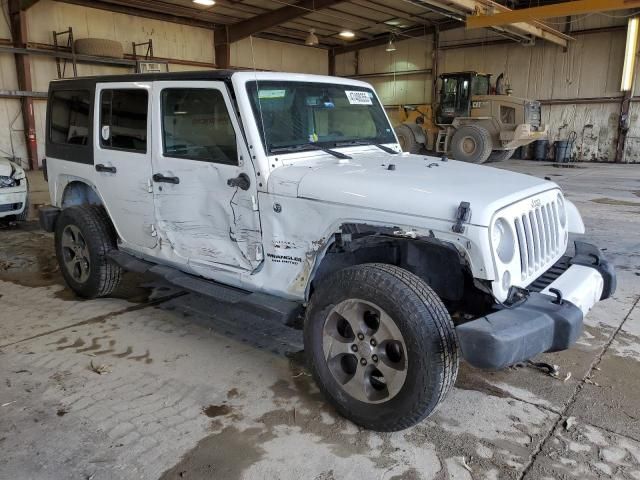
419, 185
7, 168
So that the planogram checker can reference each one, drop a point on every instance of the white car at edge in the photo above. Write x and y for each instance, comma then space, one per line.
14, 202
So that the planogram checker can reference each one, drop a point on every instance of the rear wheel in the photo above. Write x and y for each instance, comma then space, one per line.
500, 155
83, 237
407, 140
471, 143
381, 346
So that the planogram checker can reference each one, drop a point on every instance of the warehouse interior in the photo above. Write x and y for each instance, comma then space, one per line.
157, 381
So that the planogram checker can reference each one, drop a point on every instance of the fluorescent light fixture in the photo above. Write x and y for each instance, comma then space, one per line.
206, 3
630, 55
312, 38
390, 46
347, 34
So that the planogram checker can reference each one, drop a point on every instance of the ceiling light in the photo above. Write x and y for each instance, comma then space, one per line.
390, 46
206, 3
630, 54
312, 38
347, 34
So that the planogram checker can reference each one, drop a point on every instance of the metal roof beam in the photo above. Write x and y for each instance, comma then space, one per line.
577, 7
265, 21
472, 7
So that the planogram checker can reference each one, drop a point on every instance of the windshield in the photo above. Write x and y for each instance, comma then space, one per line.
480, 85
293, 114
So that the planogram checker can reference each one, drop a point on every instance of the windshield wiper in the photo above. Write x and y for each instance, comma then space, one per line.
309, 146
359, 142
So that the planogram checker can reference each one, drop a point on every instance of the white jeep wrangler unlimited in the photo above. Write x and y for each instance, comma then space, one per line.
281, 191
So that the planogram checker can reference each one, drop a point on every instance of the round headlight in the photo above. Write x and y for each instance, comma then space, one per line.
562, 212
503, 240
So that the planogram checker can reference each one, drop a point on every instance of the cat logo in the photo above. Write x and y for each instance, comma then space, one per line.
479, 104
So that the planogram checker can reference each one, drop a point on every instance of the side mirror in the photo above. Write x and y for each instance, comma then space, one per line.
242, 182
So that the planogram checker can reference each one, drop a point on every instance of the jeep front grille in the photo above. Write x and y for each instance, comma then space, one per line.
539, 237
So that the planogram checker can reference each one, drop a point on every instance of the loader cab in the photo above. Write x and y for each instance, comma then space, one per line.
456, 92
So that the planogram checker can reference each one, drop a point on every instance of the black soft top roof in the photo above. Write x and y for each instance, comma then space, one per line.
89, 82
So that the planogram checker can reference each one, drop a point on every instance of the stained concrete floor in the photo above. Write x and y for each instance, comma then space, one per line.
192, 389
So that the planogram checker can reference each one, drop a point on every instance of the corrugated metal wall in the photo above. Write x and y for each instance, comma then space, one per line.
169, 41
590, 68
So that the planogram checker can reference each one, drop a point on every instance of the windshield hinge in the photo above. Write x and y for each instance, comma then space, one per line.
463, 215
149, 186
154, 232
254, 203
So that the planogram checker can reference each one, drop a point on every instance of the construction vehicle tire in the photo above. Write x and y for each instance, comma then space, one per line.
471, 143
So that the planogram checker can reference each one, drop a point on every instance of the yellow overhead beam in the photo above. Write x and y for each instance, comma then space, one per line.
529, 28
564, 9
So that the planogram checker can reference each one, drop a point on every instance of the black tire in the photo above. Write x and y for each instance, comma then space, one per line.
427, 329
471, 143
100, 237
24, 216
407, 139
500, 155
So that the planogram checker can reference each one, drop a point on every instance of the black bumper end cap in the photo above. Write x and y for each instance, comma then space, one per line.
513, 335
48, 216
589, 255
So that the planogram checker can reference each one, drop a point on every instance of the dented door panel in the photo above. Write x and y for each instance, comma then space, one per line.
202, 221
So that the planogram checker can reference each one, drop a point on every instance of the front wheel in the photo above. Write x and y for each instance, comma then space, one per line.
380, 345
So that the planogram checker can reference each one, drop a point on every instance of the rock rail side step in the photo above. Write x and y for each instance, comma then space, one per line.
285, 311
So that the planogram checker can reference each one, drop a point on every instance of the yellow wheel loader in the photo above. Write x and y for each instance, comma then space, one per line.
473, 121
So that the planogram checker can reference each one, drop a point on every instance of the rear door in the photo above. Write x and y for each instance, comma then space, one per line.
122, 159
204, 181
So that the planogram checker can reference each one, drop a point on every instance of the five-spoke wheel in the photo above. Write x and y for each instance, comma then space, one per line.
75, 253
365, 351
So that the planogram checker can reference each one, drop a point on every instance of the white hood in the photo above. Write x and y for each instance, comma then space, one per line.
419, 185
6, 169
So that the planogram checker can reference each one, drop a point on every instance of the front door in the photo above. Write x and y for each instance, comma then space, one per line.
122, 159
204, 181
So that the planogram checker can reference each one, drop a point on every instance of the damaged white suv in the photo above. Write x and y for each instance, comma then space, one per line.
14, 203
286, 192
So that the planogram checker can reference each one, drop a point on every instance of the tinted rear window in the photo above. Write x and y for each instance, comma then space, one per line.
69, 117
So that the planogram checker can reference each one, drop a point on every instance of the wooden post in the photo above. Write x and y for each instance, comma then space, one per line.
222, 46
23, 71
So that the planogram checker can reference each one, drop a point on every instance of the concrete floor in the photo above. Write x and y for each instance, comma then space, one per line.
191, 389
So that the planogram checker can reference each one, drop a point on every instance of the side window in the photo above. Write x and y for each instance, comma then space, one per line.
123, 120
196, 125
69, 117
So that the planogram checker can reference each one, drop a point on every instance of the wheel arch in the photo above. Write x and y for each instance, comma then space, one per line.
438, 262
78, 191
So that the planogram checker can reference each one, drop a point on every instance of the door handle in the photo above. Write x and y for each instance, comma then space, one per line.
103, 168
158, 177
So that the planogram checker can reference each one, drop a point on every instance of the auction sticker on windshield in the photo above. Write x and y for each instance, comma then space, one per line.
358, 98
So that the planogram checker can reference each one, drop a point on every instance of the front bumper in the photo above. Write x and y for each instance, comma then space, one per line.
12, 201
546, 321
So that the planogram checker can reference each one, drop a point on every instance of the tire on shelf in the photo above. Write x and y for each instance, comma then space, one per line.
381, 345
99, 47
